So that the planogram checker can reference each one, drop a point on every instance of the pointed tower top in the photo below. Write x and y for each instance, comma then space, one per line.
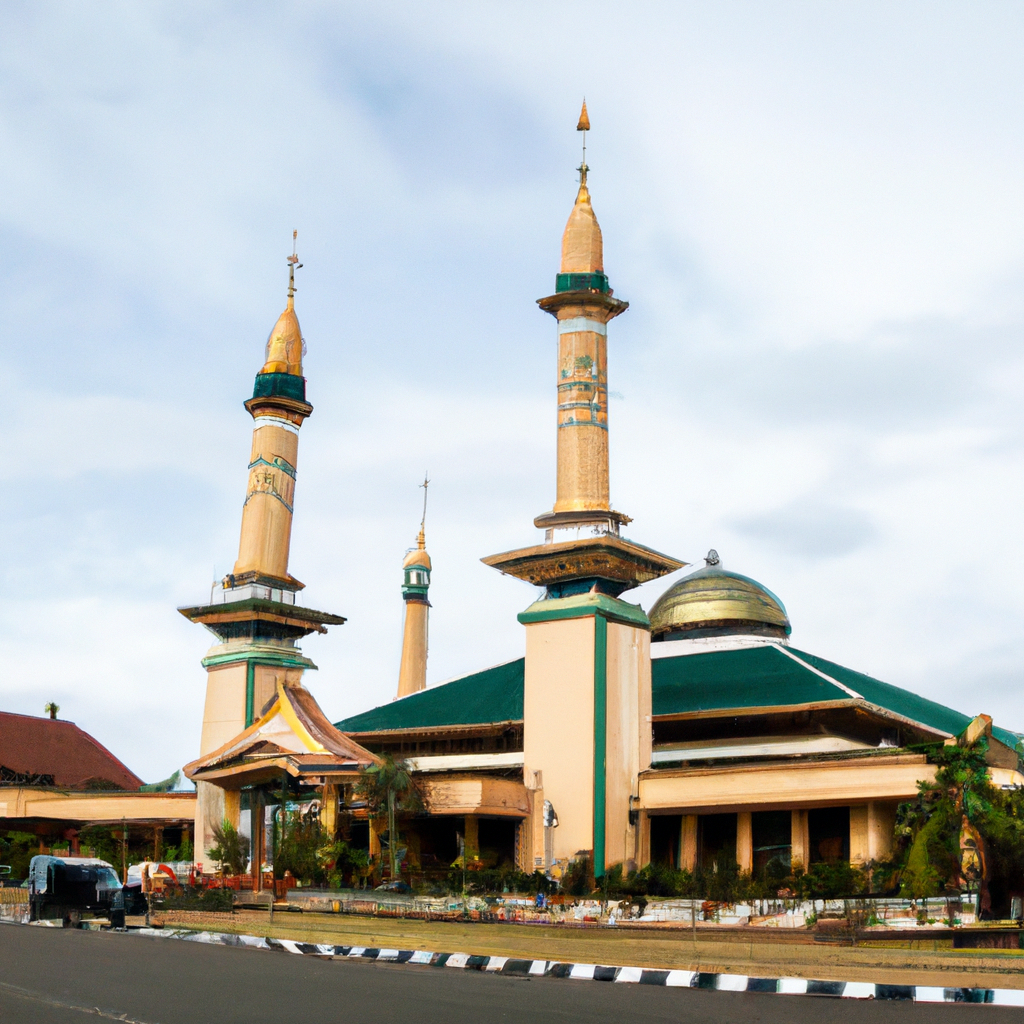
285, 346
584, 122
582, 244
419, 556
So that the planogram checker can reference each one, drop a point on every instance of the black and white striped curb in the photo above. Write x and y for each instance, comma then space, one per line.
597, 972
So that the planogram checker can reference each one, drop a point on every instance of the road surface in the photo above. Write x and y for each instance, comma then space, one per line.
53, 975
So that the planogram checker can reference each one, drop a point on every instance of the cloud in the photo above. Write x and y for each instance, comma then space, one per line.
815, 214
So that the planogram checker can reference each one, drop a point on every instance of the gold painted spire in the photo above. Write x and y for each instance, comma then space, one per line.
419, 556
284, 346
584, 121
582, 244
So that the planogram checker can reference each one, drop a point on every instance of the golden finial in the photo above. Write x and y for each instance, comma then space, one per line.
421, 541
583, 125
293, 265
285, 347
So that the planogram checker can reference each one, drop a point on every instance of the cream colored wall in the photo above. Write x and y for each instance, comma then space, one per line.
224, 713
30, 802
756, 787
265, 679
483, 795
558, 726
628, 697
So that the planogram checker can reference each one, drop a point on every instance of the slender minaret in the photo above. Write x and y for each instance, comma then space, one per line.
587, 679
278, 407
583, 550
253, 611
412, 676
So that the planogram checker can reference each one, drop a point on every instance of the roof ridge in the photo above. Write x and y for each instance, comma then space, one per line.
824, 675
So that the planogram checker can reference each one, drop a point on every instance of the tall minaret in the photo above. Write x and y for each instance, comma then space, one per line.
278, 407
587, 681
583, 550
412, 675
253, 611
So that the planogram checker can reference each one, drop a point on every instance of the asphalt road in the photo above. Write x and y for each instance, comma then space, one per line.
52, 975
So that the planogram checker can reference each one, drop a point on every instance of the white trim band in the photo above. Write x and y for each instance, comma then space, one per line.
276, 421
582, 323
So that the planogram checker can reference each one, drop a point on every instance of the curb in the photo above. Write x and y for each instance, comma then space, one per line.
598, 972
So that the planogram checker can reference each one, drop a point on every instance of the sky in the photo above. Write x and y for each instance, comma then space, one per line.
815, 211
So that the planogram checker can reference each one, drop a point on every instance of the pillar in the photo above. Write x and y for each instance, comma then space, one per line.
801, 855
881, 829
158, 842
860, 852
745, 842
329, 809
688, 843
471, 835
586, 708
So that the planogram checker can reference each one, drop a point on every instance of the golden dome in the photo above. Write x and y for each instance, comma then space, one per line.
284, 346
417, 556
714, 602
582, 245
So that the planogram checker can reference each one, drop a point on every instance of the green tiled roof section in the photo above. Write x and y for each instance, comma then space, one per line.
493, 695
750, 678
766, 677
902, 702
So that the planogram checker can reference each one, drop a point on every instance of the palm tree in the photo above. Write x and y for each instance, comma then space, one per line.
387, 787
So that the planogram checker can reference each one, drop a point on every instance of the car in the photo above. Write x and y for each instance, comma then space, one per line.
68, 888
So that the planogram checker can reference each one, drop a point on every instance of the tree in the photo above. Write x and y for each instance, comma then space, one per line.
948, 833
231, 851
388, 788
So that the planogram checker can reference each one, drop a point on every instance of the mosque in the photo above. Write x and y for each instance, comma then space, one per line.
680, 735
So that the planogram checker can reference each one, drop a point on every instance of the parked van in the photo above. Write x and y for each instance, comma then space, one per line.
66, 888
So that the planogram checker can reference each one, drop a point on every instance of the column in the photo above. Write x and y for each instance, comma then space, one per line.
860, 844
688, 843
801, 840
471, 834
881, 829
329, 809
745, 842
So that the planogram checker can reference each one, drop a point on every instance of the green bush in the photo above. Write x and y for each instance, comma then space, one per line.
190, 898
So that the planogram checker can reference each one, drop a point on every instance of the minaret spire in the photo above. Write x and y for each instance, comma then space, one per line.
583, 125
412, 673
421, 540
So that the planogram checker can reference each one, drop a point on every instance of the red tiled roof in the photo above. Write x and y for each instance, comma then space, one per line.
44, 746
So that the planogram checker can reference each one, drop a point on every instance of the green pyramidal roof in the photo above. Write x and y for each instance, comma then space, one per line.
493, 695
764, 676
769, 675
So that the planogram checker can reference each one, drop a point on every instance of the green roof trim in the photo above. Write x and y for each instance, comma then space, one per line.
494, 695
582, 605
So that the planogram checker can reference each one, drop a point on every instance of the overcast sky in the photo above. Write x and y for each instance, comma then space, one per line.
815, 211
